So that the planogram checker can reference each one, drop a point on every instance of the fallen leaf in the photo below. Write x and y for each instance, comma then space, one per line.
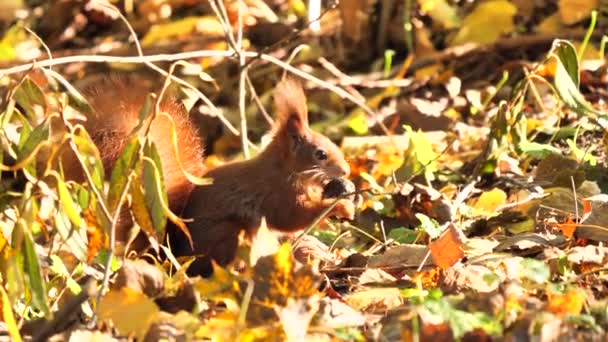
375, 300
402, 255
573, 11
477, 278
447, 249
488, 21
130, 311
337, 314
570, 302
568, 228
489, 201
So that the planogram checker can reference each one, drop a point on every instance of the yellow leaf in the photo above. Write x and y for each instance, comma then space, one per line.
6, 315
220, 286
378, 299
207, 26
551, 25
570, 302
441, 11
130, 311
486, 23
489, 201
573, 11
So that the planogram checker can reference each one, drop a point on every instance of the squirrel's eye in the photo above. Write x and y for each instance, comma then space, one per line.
320, 154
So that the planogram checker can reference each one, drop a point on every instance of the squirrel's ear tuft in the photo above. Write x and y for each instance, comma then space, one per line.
290, 102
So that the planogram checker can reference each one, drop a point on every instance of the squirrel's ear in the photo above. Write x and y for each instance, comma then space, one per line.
290, 102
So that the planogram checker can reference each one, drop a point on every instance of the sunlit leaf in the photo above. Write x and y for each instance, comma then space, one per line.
154, 188
35, 139
208, 26
121, 171
68, 205
461, 321
140, 210
536, 270
489, 201
488, 21
35, 279
71, 237
29, 97
447, 249
573, 11
569, 303
89, 154
429, 226
441, 11
6, 316
142, 311
567, 79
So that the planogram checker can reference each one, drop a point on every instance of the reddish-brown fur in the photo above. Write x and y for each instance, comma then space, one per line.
116, 103
284, 183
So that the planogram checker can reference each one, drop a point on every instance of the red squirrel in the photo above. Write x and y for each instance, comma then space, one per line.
283, 183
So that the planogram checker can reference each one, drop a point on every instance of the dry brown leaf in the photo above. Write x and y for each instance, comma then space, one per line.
573, 11
375, 300
310, 248
336, 314
447, 249
402, 255
468, 277
589, 254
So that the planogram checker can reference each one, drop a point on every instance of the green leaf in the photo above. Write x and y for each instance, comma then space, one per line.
30, 98
144, 112
538, 150
567, 78
358, 124
88, 152
121, 171
154, 188
34, 275
140, 210
67, 204
461, 321
536, 270
419, 157
58, 267
403, 235
35, 140
429, 226
70, 236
